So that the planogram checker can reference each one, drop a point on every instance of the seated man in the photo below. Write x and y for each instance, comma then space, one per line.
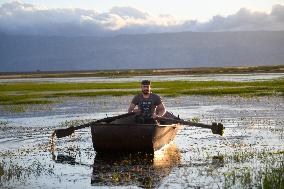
150, 105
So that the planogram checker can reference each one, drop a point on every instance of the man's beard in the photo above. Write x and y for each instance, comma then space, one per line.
145, 92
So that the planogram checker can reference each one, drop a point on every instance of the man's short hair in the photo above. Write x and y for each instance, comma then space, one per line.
145, 82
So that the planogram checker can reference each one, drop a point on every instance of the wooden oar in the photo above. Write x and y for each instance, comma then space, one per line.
216, 128
70, 130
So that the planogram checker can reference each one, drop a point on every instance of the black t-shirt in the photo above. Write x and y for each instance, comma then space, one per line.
147, 105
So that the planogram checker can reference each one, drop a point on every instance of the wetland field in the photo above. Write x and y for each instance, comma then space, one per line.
249, 155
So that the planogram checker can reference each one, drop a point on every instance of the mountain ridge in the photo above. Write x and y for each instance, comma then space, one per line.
141, 51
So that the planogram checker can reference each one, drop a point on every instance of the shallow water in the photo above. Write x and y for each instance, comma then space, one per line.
252, 144
203, 77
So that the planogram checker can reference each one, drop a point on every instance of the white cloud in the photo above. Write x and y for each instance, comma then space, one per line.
278, 13
128, 12
23, 18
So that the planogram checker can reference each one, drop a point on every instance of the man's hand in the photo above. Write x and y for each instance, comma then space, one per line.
131, 108
155, 116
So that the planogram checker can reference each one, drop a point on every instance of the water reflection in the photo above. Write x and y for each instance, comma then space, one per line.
60, 158
127, 169
136, 169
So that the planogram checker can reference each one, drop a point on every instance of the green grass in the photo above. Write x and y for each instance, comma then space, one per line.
274, 178
269, 175
43, 93
37, 87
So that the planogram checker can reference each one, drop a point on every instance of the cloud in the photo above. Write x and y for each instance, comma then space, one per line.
245, 20
128, 12
278, 13
27, 19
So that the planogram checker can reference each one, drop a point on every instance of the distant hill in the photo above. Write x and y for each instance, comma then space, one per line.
168, 50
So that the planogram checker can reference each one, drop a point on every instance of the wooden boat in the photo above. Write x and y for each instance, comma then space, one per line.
126, 135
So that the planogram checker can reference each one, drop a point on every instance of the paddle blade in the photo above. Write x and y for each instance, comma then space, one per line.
60, 133
217, 128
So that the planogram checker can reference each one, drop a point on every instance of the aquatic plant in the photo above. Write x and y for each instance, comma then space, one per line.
74, 122
195, 119
274, 177
1, 170
11, 171
4, 122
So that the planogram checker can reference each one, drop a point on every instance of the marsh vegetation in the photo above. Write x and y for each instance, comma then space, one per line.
45, 93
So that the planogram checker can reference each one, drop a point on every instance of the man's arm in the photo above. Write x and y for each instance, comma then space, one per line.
131, 107
161, 110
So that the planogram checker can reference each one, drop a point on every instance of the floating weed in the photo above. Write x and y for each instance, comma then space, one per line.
246, 177
74, 122
10, 171
268, 174
195, 119
1, 169
240, 178
245, 155
3, 122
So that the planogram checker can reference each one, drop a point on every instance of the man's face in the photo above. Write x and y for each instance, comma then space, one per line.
146, 89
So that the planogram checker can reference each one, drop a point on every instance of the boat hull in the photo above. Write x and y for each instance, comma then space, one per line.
121, 136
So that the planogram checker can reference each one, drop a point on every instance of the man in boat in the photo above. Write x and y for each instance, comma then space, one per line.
149, 104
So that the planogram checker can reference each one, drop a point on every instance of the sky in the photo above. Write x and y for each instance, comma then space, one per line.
111, 17
201, 10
